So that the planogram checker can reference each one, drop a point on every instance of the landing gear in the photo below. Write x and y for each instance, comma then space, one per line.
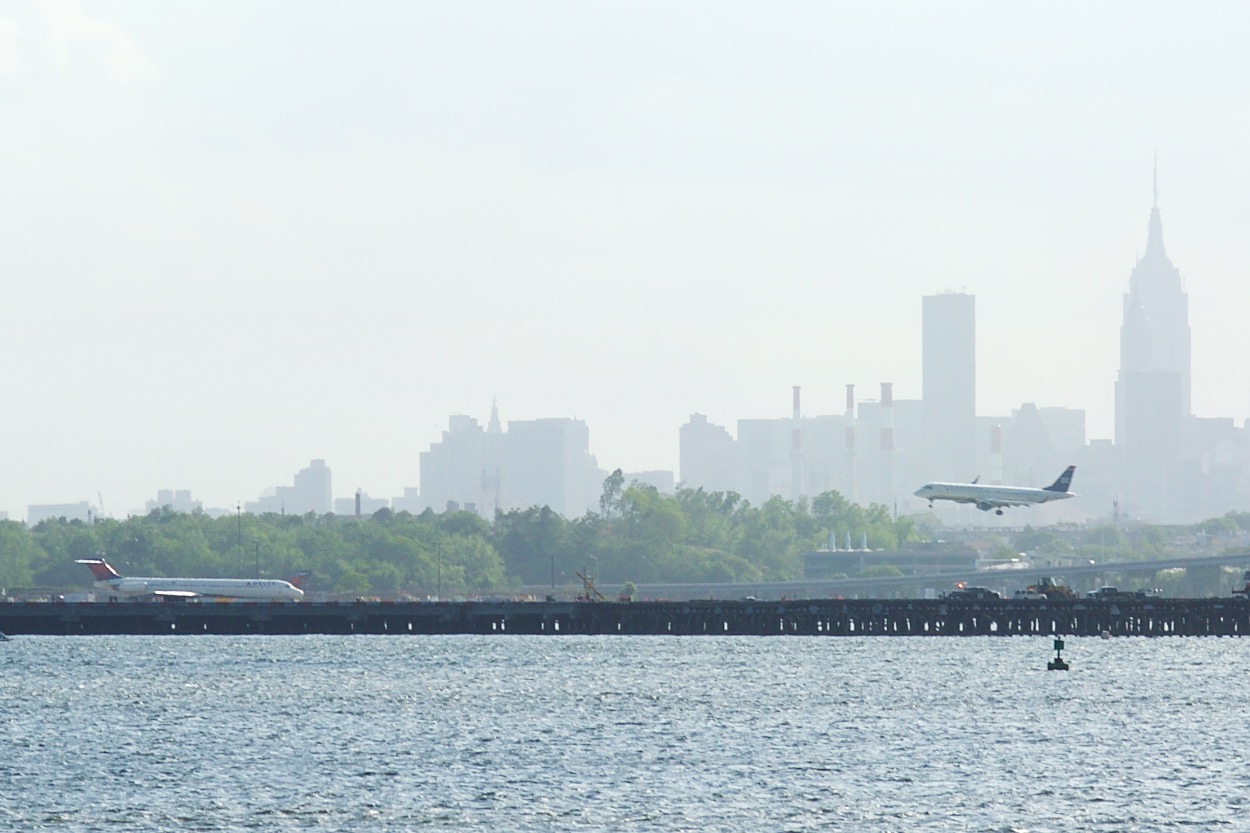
930, 504
998, 511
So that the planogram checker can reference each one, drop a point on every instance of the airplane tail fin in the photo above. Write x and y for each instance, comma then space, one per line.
100, 569
1064, 483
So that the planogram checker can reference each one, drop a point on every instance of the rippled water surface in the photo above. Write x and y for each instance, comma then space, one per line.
622, 733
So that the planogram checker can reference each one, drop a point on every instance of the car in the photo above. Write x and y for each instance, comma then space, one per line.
1114, 593
973, 593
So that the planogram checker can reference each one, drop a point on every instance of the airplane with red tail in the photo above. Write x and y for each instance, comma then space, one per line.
109, 581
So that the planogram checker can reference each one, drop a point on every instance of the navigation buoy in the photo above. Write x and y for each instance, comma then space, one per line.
1057, 664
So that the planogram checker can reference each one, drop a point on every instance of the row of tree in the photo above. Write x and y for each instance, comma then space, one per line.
638, 535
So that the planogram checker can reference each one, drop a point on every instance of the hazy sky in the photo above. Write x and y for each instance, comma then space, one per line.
236, 236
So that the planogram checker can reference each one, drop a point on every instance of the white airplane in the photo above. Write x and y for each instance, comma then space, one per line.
986, 498
109, 581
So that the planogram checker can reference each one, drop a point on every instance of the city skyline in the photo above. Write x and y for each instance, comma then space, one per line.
217, 270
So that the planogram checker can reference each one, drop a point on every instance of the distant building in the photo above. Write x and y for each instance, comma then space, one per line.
1152, 391
861, 454
1029, 454
541, 462
949, 384
660, 480
80, 511
890, 436
179, 500
409, 501
707, 456
460, 468
1215, 468
763, 459
360, 505
310, 492
776, 457
547, 462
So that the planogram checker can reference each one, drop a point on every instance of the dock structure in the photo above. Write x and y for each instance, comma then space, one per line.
811, 617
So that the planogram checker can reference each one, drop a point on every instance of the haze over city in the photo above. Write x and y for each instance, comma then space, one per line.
239, 237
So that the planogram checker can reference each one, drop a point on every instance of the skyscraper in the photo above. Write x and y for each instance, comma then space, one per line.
310, 492
949, 346
1152, 392
707, 456
538, 462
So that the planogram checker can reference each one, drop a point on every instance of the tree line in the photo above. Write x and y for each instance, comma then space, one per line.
639, 535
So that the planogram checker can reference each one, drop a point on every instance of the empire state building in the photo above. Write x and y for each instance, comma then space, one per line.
1152, 393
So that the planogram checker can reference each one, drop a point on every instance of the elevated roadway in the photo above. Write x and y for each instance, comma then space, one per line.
862, 588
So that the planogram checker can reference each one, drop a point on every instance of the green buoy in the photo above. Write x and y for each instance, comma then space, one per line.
1057, 664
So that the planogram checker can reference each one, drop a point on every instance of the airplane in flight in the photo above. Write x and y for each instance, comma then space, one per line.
997, 498
111, 582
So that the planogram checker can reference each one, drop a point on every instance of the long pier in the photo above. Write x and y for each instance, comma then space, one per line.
815, 617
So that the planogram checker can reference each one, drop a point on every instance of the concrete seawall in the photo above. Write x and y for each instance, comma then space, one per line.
817, 617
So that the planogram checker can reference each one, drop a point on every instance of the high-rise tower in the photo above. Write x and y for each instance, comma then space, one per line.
1155, 334
949, 382
1152, 392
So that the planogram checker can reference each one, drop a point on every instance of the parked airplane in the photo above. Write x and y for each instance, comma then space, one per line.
109, 581
986, 498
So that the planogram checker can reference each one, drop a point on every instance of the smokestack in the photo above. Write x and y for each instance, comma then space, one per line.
796, 450
887, 416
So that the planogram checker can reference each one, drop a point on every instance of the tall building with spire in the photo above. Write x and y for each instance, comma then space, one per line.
1152, 392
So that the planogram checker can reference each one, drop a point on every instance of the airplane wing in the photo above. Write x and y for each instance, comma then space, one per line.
175, 594
987, 505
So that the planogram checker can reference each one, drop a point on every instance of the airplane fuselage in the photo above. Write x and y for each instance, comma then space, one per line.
273, 589
993, 495
986, 497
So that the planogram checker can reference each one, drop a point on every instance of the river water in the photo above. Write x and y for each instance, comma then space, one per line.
623, 734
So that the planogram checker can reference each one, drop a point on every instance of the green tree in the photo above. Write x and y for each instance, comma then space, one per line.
613, 489
20, 556
533, 543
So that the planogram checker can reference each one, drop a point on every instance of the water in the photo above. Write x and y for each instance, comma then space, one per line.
622, 733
